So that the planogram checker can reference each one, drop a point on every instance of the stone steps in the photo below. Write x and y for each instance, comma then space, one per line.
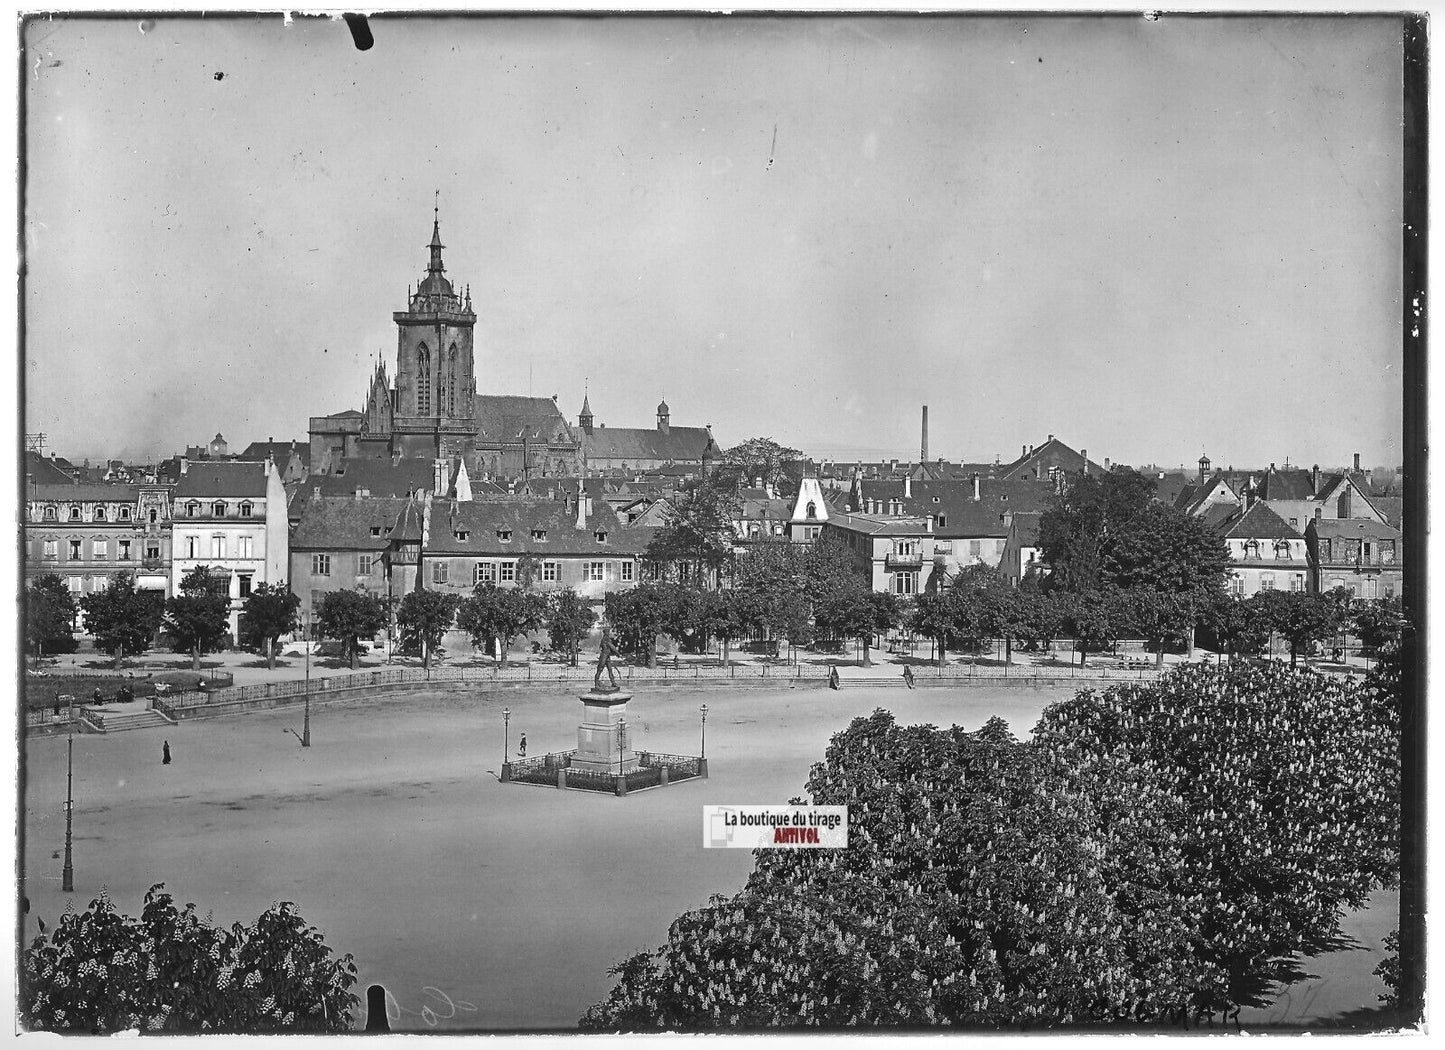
118, 721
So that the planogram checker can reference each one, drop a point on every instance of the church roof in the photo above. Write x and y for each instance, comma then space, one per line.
678, 443
510, 417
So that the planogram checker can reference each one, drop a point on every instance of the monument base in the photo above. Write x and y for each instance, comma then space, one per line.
601, 747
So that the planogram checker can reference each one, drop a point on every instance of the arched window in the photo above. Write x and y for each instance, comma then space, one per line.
1251, 548
193, 509
74, 513
99, 514
219, 508
125, 514
48, 514
245, 510
423, 380
452, 380
154, 515
1281, 550
812, 512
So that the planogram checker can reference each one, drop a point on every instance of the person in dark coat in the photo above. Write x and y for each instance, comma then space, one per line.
98, 700
522, 746
165, 752
908, 675
833, 678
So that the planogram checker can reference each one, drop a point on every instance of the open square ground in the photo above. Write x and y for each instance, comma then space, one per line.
480, 905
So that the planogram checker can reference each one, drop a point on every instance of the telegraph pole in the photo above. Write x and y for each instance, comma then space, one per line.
67, 873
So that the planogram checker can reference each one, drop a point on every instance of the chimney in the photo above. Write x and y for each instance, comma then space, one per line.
907, 486
1106, 463
975, 486
1315, 480
930, 523
1051, 437
1084, 453
1357, 462
923, 454
1023, 451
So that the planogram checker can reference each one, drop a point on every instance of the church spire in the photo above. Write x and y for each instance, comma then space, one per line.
434, 264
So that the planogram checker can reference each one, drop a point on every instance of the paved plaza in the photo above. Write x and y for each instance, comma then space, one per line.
477, 905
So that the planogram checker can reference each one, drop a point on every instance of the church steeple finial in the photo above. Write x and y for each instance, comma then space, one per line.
434, 264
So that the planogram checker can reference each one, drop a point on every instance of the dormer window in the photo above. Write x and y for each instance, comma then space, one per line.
48, 514
99, 514
539, 535
219, 508
74, 513
376, 530
812, 512
504, 535
461, 534
245, 510
935, 499
601, 535
193, 509
942, 520
125, 514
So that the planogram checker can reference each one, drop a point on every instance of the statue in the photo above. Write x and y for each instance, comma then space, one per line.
604, 663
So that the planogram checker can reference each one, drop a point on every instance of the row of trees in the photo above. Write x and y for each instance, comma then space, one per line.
1155, 853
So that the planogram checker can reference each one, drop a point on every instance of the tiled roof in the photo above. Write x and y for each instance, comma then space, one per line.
482, 521
1259, 522
1355, 528
963, 516
222, 478
679, 443
1217, 515
882, 525
83, 493
1051, 452
1025, 528
507, 417
1390, 508
1292, 483
280, 451
44, 471
377, 477
334, 523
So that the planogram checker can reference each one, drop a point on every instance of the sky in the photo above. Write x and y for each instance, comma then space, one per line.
1153, 239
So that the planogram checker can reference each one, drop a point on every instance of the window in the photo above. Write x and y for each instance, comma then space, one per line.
320, 565
193, 509
74, 582
124, 553
423, 381
74, 513
483, 573
509, 571
601, 535
942, 520
98, 515
153, 551
539, 535
246, 510
1297, 582
376, 530
1367, 550
461, 534
244, 547
1281, 550
812, 511
1251, 548
243, 582
627, 572
813, 532
1387, 552
504, 535
52, 549
1236, 585
549, 571
154, 515
363, 564
74, 550
975, 547
439, 572
595, 570
905, 583
1325, 550
1389, 587
1266, 581
125, 514
907, 548
48, 514
218, 546
219, 508
193, 544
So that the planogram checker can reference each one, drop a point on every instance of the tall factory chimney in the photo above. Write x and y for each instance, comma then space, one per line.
923, 453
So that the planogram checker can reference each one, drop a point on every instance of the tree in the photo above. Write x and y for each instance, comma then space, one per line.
931, 615
1157, 617
269, 611
697, 529
724, 615
1095, 618
755, 459
638, 616
1237, 626
424, 617
1077, 533
1039, 616
102, 972
1376, 623
122, 619
1301, 619
857, 612
569, 619
499, 614
199, 616
49, 614
348, 617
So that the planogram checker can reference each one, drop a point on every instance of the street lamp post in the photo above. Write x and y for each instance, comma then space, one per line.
67, 873
306, 717
621, 745
506, 744
702, 759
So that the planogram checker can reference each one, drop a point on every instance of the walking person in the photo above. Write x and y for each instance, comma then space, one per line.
833, 678
908, 675
165, 752
97, 696
522, 746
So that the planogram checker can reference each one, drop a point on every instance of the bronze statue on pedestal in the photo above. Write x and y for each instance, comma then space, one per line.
604, 663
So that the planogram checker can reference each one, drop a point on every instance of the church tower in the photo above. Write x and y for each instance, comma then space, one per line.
435, 377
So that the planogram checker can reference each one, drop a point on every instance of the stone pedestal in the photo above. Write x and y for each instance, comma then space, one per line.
600, 748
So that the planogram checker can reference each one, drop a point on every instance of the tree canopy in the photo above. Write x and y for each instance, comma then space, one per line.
269, 611
500, 613
49, 615
1156, 852
697, 529
199, 616
424, 617
759, 458
569, 619
348, 617
121, 618
102, 972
